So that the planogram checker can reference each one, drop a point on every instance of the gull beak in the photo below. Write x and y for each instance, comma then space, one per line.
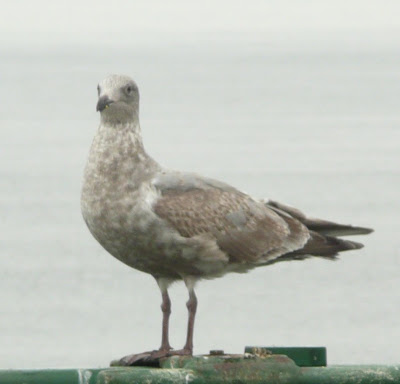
103, 103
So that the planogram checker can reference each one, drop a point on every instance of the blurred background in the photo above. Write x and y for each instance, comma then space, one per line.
293, 101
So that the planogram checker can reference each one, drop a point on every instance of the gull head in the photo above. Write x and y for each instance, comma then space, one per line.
118, 101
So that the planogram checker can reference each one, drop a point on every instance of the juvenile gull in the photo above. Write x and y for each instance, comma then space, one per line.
182, 226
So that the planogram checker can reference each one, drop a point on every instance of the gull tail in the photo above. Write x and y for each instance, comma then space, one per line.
326, 246
323, 241
323, 227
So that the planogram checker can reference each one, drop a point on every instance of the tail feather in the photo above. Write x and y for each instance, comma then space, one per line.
322, 227
323, 241
326, 246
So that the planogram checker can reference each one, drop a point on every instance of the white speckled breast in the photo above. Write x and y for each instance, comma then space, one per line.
117, 194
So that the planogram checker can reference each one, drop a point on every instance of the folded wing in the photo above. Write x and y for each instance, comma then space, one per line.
248, 231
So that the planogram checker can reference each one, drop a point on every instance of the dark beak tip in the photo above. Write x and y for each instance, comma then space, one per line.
103, 103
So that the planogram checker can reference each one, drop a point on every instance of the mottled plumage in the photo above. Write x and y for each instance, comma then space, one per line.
181, 226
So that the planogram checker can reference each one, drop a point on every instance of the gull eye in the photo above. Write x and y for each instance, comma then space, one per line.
98, 90
128, 90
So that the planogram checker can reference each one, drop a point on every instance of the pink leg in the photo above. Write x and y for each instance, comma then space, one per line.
165, 349
192, 307
166, 310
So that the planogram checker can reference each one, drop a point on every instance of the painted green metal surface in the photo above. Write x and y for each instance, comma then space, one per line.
302, 356
220, 369
96, 376
47, 376
275, 369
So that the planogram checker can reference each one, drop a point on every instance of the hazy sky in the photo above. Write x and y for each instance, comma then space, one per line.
316, 129
43, 22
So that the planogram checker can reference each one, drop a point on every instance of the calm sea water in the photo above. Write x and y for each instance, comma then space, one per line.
315, 128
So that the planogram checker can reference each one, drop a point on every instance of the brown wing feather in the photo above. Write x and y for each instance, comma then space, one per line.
246, 230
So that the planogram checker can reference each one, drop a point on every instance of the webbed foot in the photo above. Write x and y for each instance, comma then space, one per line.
149, 359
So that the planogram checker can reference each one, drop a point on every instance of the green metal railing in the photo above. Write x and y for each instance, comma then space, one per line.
257, 365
